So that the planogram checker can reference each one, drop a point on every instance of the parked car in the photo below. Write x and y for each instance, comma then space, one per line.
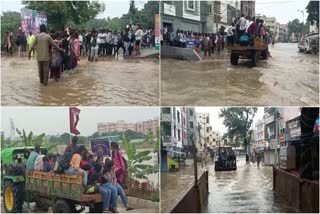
309, 43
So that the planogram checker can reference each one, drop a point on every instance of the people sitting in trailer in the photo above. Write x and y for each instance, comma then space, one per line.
46, 165
74, 168
32, 158
71, 148
109, 181
38, 164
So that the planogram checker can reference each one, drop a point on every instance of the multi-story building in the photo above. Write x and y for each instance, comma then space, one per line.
122, 126
219, 13
191, 126
205, 135
170, 127
259, 134
182, 15
273, 123
283, 33
248, 8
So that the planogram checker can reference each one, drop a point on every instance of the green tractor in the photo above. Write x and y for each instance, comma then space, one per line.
13, 178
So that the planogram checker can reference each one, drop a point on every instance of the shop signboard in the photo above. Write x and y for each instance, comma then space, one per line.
157, 31
169, 9
191, 43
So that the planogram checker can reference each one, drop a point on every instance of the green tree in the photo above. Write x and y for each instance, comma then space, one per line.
238, 121
65, 138
29, 139
296, 27
146, 16
313, 12
10, 21
136, 168
132, 11
61, 12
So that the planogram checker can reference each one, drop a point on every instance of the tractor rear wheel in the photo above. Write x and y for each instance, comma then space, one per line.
13, 196
62, 206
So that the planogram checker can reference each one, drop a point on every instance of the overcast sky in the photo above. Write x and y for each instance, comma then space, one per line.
114, 8
283, 10
217, 123
55, 120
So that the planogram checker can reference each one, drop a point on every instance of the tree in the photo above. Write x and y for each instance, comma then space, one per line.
10, 21
65, 138
313, 12
238, 121
296, 27
30, 140
132, 11
61, 12
136, 168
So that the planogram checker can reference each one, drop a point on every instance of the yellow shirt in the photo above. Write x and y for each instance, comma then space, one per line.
31, 39
75, 161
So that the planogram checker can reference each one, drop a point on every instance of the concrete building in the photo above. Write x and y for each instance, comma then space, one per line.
205, 134
283, 33
182, 15
122, 126
219, 13
171, 127
259, 135
248, 8
191, 126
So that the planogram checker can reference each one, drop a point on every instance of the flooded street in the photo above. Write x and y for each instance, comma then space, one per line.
288, 78
109, 82
248, 189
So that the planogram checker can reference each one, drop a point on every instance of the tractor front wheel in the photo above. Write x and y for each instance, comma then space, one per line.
13, 196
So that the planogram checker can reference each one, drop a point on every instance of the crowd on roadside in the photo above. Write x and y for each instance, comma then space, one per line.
242, 32
99, 174
61, 50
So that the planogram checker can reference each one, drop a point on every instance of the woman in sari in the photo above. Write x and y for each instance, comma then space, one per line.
56, 58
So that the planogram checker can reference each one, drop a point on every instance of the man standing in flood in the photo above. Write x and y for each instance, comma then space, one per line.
42, 42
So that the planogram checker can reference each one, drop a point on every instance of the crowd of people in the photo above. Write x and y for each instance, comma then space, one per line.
99, 174
61, 50
242, 32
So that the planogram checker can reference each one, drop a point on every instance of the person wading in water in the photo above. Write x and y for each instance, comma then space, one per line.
42, 42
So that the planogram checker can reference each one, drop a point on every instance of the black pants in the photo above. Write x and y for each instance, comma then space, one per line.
101, 49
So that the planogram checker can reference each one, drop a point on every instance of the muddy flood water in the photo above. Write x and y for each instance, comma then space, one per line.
106, 82
248, 189
288, 78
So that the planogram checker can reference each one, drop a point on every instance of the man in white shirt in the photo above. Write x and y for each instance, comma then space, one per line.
108, 42
101, 44
242, 23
